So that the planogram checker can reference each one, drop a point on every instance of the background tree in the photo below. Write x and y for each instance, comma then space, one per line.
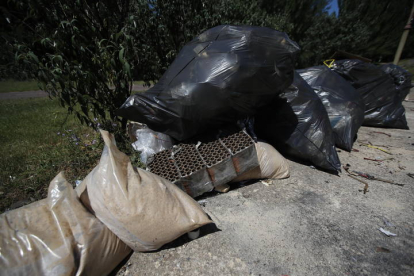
384, 22
87, 52
78, 52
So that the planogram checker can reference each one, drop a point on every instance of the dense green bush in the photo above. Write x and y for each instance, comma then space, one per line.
86, 53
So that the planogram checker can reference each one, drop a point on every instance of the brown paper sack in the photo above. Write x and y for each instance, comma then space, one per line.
57, 236
272, 165
142, 209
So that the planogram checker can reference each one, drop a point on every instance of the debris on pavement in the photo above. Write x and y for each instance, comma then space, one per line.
202, 202
382, 249
194, 234
223, 188
378, 148
363, 182
371, 159
386, 232
387, 223
267, 182
370, 176
380, 132
352, 175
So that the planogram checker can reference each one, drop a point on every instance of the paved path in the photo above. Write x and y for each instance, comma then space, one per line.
23, 95
41, 94
312, 223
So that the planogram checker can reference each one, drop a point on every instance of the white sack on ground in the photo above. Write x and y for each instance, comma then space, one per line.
272, 165
57, 236
141, 208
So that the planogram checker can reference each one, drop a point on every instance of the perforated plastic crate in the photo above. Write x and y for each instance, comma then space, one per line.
197, 169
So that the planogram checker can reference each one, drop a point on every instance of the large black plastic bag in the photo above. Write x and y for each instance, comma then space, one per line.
402, 79
296, 123
393, 114
382, 99
223, 75
342, 102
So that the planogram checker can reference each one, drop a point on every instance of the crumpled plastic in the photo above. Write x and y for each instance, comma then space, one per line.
382, 99
57, 236
298, 125
342, 102
144, 210
223, 75
149, 142
272, 165
402, 79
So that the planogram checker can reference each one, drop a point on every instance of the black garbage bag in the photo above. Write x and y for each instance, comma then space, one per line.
402, 79
342, 102
223, 75
393, 114
382, 98
296, 124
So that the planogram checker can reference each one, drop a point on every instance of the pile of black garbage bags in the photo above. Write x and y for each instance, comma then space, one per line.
229, 78
244, 76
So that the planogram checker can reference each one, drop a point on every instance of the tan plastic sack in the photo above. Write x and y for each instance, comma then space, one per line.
57, 236
141, 208
272, 165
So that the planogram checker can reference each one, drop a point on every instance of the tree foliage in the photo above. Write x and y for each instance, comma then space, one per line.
384, 22
87, 52
78, 53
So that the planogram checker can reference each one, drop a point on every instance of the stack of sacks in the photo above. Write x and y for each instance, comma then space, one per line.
57, 236
144, 210
91, 230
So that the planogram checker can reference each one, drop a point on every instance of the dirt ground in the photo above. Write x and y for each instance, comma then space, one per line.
313, 223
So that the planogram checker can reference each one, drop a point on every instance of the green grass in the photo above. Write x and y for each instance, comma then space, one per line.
18, 86
138, 82
141, 83
32, 153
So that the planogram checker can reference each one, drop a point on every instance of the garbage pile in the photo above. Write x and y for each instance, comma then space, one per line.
341, 101
223, 75
381, 89
89, 231
297, 124
199, 168
219, 115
